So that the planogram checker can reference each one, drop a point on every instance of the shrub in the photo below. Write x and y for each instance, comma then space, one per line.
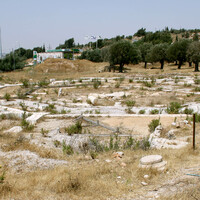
130, 103
63, 111
197, 89
129, 111
130, 80
153, 124
97, 146
25, 83
188, 111
43, 83
93, 154
74, 129
51, 108
67, 149
147, 84
21, 95
145, 144
117, 85
26, 126
44, 132
197, 81
154, 111
142, 112
173, 108
2, 177
23, 106
197, 117
7, 97
96, 84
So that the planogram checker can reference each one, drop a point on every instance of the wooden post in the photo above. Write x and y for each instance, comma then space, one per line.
194, 131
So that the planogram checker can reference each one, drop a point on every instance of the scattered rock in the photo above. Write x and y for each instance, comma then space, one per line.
123, 164
146, 176
59, 92
171, 135
15, 129
118, 154
88, 157
144, 183
108, 161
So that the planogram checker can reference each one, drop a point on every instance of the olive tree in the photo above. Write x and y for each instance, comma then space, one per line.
178, 51
193, 54
145, 49
123, 52
158, 53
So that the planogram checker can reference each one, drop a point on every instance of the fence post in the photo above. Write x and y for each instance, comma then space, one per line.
194, 131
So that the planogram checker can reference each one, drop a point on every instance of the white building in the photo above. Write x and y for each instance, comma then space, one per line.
44, 55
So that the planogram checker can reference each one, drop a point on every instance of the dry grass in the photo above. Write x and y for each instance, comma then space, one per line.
91, 179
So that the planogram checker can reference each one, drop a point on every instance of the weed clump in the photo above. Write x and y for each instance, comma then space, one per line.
67, 149
25, 83
153, 124
130, 103
154, 111
26, 126
173, 108
74, 129
142, 112
7, 97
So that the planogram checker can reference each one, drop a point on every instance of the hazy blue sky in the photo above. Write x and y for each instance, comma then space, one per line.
31, 23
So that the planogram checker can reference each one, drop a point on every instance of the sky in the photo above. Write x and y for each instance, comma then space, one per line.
31, 23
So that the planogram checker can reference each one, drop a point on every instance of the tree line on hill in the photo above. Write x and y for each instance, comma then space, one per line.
151, 47
143, 46
16, 59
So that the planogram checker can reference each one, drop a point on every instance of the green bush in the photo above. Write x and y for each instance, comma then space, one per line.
7, 97
43, 83
188, 111
96, 84
25, 83
147, 84
145, 144
197, 81
93, 154
51, 108
130, 80
130, 103
154, 111
173, 108
142, 112
153, 124
117, 85
74, 129
67, 149
26, 126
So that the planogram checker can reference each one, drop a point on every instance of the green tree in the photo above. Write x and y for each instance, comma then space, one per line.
92, 55
158, 37
123, 52
68, 44
193, 54
105, 54
196, 37
178, 51
145, 49
140, 32
158, 53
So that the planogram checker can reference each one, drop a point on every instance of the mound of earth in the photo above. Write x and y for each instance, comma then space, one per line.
63, 65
